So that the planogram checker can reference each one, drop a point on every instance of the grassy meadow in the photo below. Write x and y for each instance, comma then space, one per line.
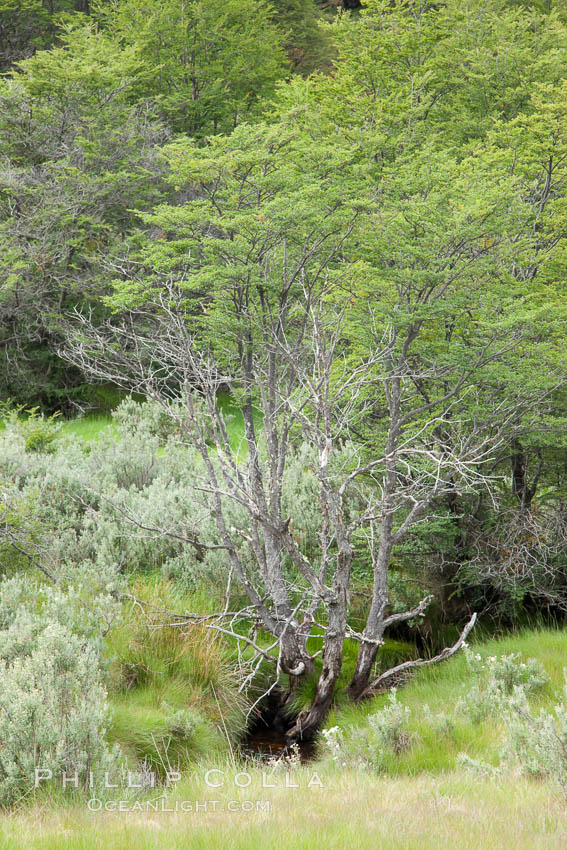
421, 798
353, 810
175, 703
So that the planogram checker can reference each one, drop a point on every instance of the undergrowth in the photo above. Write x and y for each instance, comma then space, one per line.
174, 690
452, 710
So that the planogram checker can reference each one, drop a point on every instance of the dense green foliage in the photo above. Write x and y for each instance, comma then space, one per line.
76, 156
80, 130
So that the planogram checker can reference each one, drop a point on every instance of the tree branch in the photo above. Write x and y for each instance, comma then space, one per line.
421, 662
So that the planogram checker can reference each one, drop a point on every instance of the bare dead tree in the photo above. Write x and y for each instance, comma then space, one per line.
258, 295
521, 553
305, 381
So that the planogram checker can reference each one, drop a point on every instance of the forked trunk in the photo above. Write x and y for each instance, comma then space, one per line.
361, 676
309, 721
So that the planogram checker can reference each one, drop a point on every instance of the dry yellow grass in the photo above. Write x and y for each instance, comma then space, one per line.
355, 811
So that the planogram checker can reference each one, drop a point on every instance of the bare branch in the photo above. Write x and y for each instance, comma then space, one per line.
421, 662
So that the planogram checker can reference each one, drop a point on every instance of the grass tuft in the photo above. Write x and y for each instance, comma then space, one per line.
174, 687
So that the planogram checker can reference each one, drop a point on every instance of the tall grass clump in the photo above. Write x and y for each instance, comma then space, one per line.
175, 691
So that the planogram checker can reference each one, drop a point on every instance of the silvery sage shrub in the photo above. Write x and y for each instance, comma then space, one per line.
53, 703
149, 417
389, 729
534, 743
537, 741
385, 733
496, 677
128, 497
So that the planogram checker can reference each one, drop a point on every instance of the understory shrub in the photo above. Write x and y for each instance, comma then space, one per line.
495, 678
38, 431
385, 732
53, 702
495, 690
537, 741
534, 741
133, 498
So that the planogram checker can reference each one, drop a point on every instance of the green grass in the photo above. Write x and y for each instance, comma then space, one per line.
91, 426
392, 652
423, 801
87, 427
174, 694
234, 421
440, 688
157, 726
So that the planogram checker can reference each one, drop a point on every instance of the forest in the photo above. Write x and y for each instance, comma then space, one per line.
283, 415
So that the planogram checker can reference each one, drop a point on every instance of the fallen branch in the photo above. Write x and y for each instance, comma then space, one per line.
421, 662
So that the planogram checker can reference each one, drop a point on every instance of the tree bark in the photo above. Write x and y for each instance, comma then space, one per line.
308, 722
374, 628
